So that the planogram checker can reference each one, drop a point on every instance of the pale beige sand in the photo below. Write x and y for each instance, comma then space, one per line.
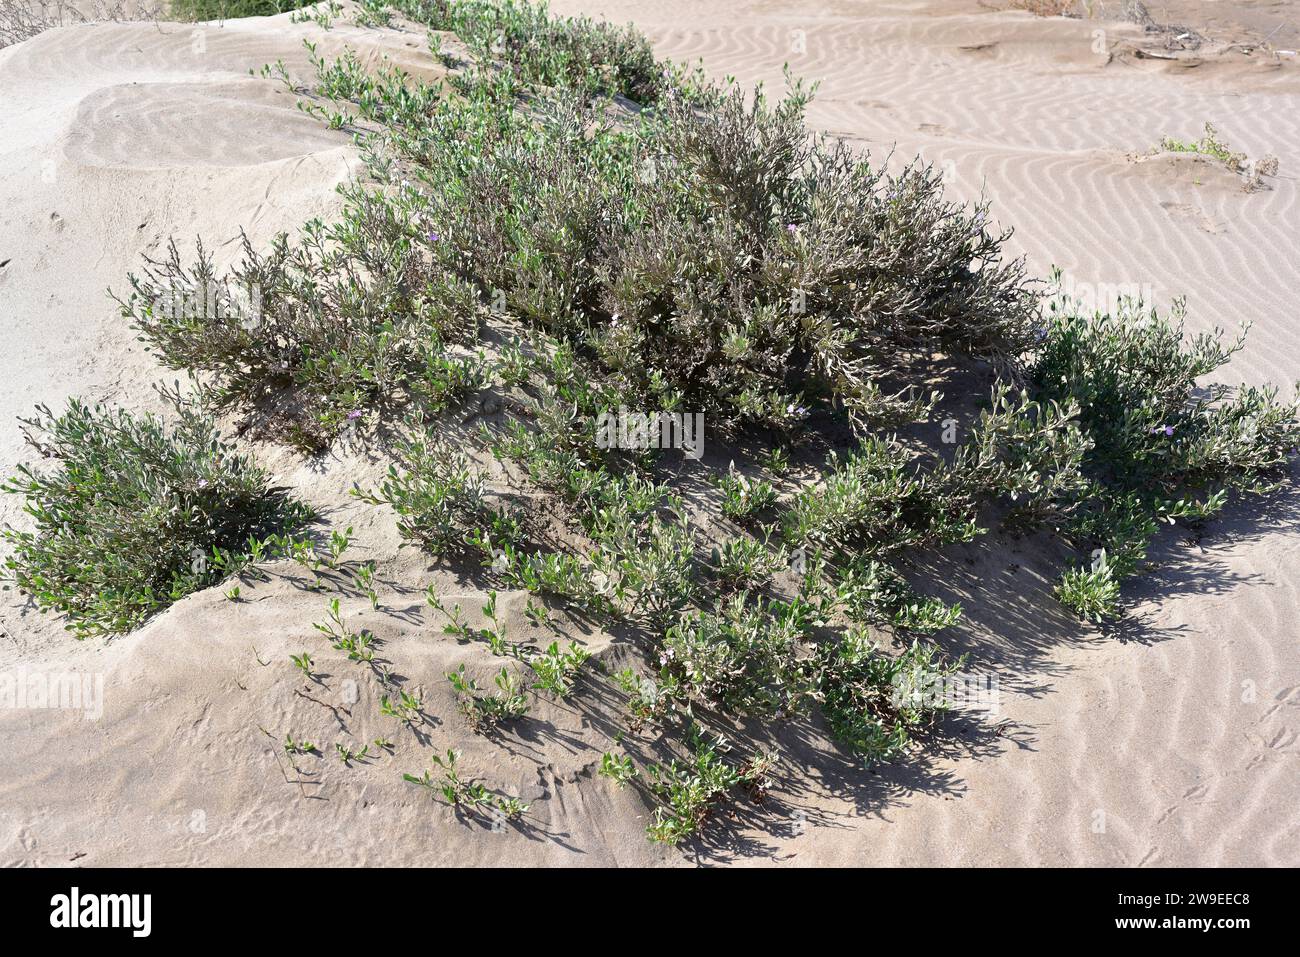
1182, 743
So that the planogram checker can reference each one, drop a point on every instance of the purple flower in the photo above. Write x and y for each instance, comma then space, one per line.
434, 237
1040, 333
1169, 430
354, 414
203, 483
791, 228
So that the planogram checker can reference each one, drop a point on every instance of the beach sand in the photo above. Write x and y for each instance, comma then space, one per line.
1174, 742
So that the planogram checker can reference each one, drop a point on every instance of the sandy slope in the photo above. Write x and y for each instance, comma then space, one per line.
1179, 747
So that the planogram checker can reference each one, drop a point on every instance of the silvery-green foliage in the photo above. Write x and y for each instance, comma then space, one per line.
137, 512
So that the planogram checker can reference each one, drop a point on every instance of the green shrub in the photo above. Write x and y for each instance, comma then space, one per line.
745, 657
876, 704
573, 52
1090, 592
689, 794
137, 513
201, 10
1163, 446
439, 497
872, 593
874, 503
342, 319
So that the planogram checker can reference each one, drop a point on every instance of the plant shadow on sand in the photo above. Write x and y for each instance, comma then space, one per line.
1011, 625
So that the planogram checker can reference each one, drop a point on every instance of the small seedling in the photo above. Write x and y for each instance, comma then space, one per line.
469, 795
339, 542
363, 578
298, 747
488, 711
303, 663
347, 755
408, 708
358, 645
556, 669
618, 768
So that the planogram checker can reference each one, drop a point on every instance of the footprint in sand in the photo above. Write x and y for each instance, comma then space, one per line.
1194, 214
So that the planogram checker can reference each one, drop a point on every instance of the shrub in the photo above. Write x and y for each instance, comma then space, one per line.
1091, 592
574, 52
344, 318
745, 563
1163, 447
744, 498
136, 514
872, 593
744, 657
690, 793
555, 669
1025, 454
874, 503
705, 253
439, 498
876, 704
200, 10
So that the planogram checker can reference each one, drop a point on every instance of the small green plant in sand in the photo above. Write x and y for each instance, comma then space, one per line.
135, 513
358, 645
555, 669
408, 708
470, 795
618, 768
363, 579
303, 663
298, 747
457, 627
1210, 145
347, 754
690, 793
1091, 592
486, 712
745, 563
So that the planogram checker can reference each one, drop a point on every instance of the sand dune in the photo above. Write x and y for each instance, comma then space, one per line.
1176, 746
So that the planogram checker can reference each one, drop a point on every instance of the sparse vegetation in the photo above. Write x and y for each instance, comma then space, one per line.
198, 10
1211, 146
470, 795
644, 239
690, 793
